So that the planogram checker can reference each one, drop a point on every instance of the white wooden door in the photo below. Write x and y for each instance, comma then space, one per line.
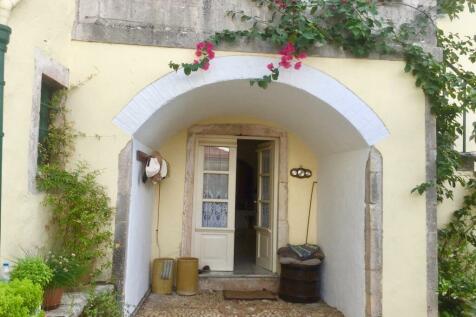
214, 204
264, 226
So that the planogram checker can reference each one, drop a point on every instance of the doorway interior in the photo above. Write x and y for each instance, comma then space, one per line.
247, 205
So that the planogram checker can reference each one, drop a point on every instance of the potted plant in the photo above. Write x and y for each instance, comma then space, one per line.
33, 268
67, 270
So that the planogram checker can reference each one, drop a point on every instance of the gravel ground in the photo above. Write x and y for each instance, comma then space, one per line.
212, 304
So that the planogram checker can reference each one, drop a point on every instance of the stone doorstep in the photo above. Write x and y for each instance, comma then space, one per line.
239, 283
72, 304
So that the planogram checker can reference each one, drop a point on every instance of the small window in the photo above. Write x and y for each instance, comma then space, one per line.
48, 90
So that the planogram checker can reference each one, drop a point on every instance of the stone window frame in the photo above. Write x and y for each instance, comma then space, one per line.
46, 69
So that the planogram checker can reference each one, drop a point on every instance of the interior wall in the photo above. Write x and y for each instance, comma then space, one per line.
142, 204
341, 204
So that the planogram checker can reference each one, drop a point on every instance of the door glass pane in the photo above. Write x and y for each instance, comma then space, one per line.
265, 215
216, 158
215, 186
266, 160
215, 215
265, 187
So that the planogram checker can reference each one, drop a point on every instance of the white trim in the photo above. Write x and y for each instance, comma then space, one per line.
228, 232
314, 82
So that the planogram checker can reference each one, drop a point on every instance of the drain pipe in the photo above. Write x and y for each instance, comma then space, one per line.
4, 38
6, 7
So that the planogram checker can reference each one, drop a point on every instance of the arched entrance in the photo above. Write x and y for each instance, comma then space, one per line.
338, 126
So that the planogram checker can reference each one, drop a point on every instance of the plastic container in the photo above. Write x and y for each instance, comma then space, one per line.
5, 273
187, 276
163, 276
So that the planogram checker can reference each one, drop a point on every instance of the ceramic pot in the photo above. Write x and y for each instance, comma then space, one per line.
52, 298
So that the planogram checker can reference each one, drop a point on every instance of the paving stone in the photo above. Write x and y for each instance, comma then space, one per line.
212, 304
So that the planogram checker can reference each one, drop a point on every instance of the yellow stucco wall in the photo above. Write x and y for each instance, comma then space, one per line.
120, 71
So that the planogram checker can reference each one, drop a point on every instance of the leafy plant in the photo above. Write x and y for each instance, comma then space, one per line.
457, 259
58, 145
33, 268
67, 270
454, 7
20, 298
102, 305
298, 27
81, 211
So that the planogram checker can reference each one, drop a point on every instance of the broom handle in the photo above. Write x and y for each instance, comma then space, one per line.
309, 214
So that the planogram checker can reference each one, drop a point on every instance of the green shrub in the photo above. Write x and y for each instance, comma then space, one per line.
33, 268
457, 260
102, 305
81, 212
19, 298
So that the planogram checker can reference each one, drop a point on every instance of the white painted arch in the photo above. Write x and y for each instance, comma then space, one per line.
176, 101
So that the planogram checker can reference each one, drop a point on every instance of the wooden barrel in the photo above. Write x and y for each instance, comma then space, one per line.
300, 283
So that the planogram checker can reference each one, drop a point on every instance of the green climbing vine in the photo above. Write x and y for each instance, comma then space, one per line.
80, 208
297, 27
58, 145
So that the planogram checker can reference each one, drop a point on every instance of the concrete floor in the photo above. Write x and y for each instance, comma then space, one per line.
212, 304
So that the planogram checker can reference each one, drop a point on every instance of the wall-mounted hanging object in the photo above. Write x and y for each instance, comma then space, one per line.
156, 167
301, 172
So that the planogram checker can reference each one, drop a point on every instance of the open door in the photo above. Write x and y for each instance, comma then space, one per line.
264, 232
214, 204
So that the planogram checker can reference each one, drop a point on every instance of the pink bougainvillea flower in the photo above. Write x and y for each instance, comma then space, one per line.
198, 53
302, 55
195, 62
211, 54
298, 65
206, 66
288, 49
280, 3
270, 66
209, 46
287, 58
285, 64
200, 46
